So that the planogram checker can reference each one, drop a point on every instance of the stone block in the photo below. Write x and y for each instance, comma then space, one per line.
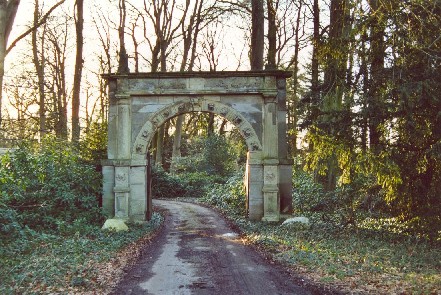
137, 175
108, 194
121, 205
115, 224
285, 188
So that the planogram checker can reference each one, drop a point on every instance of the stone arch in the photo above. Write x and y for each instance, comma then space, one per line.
145, 135
255, 102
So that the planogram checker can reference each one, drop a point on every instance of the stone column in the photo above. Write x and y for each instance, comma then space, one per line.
124, 127
123, 154
271, 197
108, 186
285, 164
138, 190
255, 185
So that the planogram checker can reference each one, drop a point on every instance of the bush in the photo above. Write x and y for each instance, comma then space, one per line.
212, 155
229, 197
46, 185
185, 184
165, 185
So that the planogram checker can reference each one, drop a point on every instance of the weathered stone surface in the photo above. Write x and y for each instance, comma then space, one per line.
115, 224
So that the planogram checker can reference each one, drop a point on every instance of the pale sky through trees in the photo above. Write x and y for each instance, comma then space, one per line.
230, 46
223, 44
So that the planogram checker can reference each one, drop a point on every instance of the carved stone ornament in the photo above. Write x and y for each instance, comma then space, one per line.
139, 148
270, 176
237, 120
247, 133
254, 146
121, 177
224, 112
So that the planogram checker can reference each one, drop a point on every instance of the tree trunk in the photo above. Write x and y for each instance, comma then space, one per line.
78, 71
177, 137
257, 35
377, 69
39, 68
335, 79
8, 10
292, 105
315, 87
272, 36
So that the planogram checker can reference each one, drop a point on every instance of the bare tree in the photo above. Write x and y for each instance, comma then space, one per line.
79, 22
257, 35
272, 35
57, 37
39, 63
8, 10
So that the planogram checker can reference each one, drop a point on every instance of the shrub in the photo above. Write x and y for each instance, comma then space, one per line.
48, 184
212, 155
165, 185
185, 184
229, 197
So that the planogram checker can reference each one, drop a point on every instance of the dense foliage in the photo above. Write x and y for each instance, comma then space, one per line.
50, 222
374, 119
209, 160
47, 187
372, 255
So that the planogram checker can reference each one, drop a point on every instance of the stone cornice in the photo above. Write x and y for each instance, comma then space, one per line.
226, 74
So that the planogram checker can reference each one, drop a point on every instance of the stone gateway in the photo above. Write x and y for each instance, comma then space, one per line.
254, 102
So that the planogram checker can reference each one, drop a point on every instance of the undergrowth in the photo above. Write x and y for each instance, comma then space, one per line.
50, 222
373, 255
54, 263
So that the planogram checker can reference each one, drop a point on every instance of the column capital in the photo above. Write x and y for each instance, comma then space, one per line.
122, 97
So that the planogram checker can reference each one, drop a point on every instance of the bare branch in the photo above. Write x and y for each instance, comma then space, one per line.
33, 28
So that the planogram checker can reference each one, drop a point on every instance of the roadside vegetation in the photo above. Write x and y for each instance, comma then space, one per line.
50, 224
356, 241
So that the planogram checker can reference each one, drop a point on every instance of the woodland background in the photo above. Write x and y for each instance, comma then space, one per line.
364, 131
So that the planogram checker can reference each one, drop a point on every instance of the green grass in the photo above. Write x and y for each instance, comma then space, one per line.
366, 260
45, 263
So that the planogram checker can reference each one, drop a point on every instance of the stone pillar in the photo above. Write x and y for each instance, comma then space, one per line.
138, 190
255, 185
123, 154
108, 185
124, 127
285, 164
271, 197
285, 187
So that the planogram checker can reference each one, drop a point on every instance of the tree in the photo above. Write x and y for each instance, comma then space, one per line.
39, 63
272, 35
257, 35
8, 10
79, 22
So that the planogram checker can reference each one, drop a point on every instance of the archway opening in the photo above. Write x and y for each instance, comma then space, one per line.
200, 156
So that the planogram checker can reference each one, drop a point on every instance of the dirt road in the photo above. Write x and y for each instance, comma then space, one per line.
198, 253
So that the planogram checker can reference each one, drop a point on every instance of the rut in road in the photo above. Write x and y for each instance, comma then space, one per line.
198, 253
